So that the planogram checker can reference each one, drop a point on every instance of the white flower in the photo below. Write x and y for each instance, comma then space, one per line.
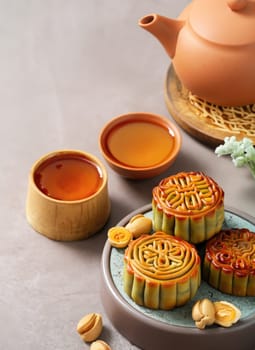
242, 152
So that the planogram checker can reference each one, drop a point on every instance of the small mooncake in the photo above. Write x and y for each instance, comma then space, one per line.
229, 262
189, 205
161, 271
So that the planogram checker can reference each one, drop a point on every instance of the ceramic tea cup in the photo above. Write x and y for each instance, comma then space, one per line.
67, 195
140, 145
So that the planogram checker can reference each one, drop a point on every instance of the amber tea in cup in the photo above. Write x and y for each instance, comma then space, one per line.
133, 143
139, 145
68, 177
67, 195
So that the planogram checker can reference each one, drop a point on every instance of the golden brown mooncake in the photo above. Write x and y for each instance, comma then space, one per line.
189, 205
161, 271
229, 262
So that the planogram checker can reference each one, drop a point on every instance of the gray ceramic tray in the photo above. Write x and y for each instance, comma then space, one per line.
153, 330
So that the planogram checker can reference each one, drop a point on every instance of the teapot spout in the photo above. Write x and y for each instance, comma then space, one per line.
165, 29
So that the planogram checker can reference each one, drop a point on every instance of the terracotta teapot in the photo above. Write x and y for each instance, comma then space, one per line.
212, 47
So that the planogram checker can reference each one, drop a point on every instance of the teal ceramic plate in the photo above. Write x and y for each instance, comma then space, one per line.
178, 320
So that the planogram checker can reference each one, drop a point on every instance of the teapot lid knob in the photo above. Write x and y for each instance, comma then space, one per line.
237, 5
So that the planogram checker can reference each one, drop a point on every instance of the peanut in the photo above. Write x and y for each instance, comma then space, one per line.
203, 313
138, 225
99, 345
90, 327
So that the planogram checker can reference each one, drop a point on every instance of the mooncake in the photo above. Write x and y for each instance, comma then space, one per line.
189, 205
229, 262
161, 271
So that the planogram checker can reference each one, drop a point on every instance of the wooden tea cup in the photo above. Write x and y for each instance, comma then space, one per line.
67, 220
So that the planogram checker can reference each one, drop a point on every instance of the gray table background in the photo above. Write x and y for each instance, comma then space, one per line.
66, 68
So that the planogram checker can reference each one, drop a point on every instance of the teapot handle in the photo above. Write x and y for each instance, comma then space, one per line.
237, 5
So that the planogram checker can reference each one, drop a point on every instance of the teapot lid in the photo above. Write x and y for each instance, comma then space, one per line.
226, 22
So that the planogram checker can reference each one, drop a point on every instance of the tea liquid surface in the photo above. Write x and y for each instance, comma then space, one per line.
68, 177
140, 144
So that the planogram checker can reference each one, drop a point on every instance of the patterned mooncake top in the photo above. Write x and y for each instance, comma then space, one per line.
188, 194
162, 257
233, 250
